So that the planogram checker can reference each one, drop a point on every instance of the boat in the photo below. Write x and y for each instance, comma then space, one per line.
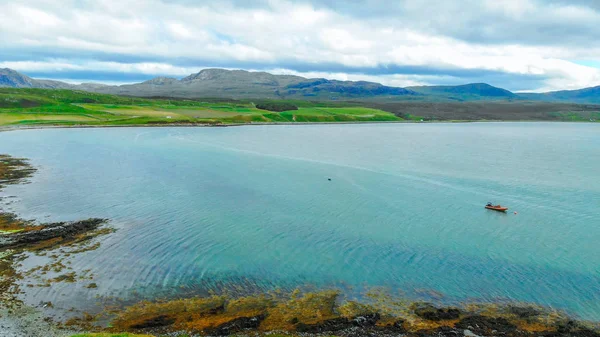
496, 207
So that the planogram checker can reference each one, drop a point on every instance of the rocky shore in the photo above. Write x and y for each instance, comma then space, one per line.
21, 237
326, 314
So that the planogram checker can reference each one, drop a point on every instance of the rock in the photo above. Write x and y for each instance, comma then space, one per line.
584, 332
486, 326
578, 333
429, 312
217, 310
334, 324
564, 327
237, 325
572, 329
366, 320
50, 231
469, 333
340, 323
154, 322
524, 311
443, 331
397, 327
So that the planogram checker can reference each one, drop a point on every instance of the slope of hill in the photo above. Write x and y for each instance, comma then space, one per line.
13, 79
28, 106
323, 88
586, 95
466, 92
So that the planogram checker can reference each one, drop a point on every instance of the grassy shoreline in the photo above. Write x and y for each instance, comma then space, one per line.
176, 125
45, 107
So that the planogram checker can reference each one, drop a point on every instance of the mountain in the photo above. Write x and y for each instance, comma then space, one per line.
14, 79
319, 86
466, 92
241, 84
586, 95
221, 83
244, 84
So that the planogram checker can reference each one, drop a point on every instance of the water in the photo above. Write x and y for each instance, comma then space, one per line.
204, 208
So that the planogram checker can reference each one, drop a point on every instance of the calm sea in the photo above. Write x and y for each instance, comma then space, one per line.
253, 207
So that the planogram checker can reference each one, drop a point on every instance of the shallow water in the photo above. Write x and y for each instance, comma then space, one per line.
207, 208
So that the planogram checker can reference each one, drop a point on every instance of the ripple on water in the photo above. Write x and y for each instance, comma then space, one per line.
201, 209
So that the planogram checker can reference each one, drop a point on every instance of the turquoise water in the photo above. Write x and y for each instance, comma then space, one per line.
207, 208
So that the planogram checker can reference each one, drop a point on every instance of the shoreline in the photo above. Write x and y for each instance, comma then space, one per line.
7, 128
54, 242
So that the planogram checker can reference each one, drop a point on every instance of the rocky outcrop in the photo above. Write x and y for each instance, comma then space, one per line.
63, 230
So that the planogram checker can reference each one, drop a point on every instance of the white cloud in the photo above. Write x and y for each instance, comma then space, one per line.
179, 31
145, 68
179, 37
36, 17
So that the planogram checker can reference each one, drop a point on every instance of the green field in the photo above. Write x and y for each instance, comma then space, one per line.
68, 107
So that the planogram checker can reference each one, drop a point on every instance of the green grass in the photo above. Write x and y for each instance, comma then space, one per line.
10, 231
577, 116
71, 107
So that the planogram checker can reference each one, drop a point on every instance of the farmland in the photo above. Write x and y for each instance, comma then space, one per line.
68, 107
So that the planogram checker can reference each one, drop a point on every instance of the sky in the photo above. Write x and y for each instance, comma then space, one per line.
520, 45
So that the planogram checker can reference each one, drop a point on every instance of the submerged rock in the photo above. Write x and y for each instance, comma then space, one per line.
429, 312
237, 325
524, 312
154, 322
49, 231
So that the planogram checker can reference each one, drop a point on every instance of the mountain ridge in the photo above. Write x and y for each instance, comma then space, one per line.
466, 91
585, 95
240, 84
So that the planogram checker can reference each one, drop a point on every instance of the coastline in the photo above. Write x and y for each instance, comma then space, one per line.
53, 241
6, 128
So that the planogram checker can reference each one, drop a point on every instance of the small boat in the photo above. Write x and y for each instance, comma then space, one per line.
496, 207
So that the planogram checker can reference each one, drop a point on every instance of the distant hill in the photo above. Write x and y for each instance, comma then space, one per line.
221, 83
244, 84
218, 83
321, 87
467, 92
241, 84
13, 79
586, 95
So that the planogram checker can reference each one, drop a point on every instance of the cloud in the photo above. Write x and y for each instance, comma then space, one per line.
517, 44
